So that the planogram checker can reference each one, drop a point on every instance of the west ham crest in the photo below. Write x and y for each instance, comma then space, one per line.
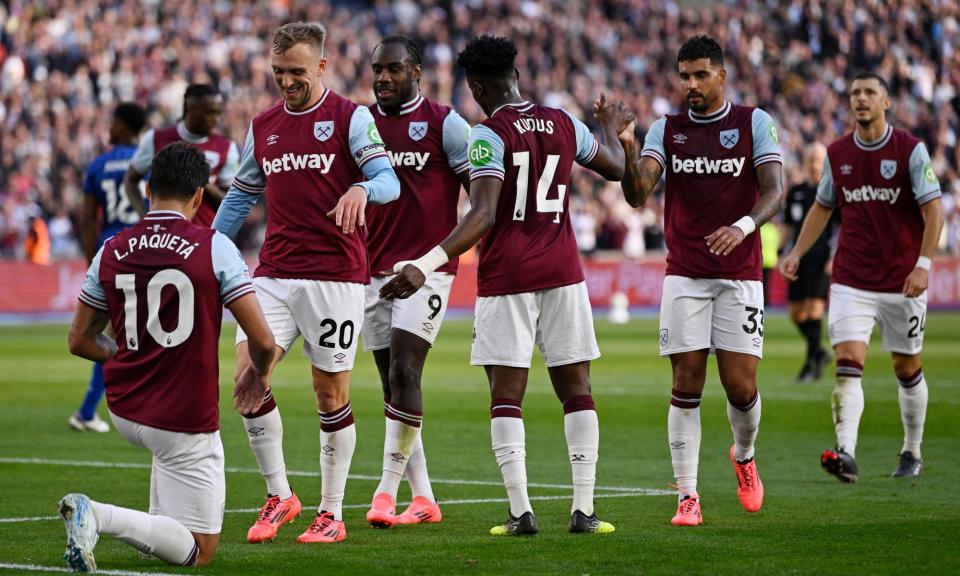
213, 158
417, 130
888, 168
729, 138
322, 131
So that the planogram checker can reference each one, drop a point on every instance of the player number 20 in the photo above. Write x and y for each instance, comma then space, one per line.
522, 161
344, 335
185, 299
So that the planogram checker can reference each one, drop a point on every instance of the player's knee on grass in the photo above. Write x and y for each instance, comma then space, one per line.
208, 544
905, 366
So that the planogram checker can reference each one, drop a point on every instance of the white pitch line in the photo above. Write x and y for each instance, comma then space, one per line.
305, 473
37, 568
638, 492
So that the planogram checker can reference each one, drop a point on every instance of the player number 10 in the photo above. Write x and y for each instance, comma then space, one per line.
522, 161
185, 298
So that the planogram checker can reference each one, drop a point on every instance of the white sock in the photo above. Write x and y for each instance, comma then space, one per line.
337, 443
847, 401
582, 430
265, 434
160, 536
913, 411
683, 432
745, 425
416, 472
507, 436
399, 442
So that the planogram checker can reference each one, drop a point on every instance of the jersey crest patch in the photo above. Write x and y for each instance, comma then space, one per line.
417, 130
213, 157
729, 138
322, 131
888, 168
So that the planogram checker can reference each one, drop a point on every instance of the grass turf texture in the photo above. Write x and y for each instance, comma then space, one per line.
810, 523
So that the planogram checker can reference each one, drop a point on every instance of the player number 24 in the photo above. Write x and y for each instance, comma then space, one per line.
160, 280
522, 161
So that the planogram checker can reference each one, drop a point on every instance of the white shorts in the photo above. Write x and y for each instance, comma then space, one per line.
329, 315
421, 314
715, 314
559, 320
853, 312
187, 482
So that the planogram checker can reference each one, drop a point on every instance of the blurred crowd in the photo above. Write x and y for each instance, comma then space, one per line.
65, 64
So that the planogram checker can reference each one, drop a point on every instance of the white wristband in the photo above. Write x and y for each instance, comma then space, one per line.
746, 224
426, 263
924, 262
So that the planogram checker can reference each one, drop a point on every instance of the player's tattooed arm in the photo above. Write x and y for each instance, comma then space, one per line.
770, 182
641, 173
86, 338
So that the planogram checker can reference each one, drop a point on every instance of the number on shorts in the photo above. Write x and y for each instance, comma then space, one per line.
345, 337
435, 304
917, 325
755, 325
185, 298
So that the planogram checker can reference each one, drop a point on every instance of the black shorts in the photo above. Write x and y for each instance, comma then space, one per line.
811, 282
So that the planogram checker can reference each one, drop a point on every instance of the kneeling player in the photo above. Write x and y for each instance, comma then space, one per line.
161, 284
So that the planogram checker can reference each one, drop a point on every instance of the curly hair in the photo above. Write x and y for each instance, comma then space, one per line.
408, 43
701, 46
488, 56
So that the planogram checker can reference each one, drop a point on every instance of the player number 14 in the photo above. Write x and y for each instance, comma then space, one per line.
522, 161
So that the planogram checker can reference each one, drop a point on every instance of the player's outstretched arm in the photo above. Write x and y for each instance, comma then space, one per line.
813, 226
770, 181
641, 174
609, 159
251, 386
86, 338
484, 196
916, 281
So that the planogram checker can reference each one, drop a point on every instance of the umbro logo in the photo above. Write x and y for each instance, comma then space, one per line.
428, 327
678, 445
846, 169
339, 356
757, 342
256, 431
328, 449
679, 138
272, 139
397, 457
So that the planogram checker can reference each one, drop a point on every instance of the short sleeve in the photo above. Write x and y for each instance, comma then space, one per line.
91, 293
230, 269
249, 176
229, 170
365, 141
924, 180
456, 135
486, 154
826, 195
587, 144
653, 143
144, 154
766, 142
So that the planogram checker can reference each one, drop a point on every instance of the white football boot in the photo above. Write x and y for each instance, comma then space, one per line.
82, 532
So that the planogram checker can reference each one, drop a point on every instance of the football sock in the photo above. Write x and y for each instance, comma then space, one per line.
416, 472
265, 434
812, 332
402, 431
507, 435
683, 431
847, 404
160, 536
582, 430
745, 422
913, 411
88, 409
338, 438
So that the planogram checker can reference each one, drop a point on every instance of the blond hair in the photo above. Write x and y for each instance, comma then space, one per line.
293, 33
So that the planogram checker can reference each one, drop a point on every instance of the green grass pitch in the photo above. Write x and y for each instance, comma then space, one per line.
810, 523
